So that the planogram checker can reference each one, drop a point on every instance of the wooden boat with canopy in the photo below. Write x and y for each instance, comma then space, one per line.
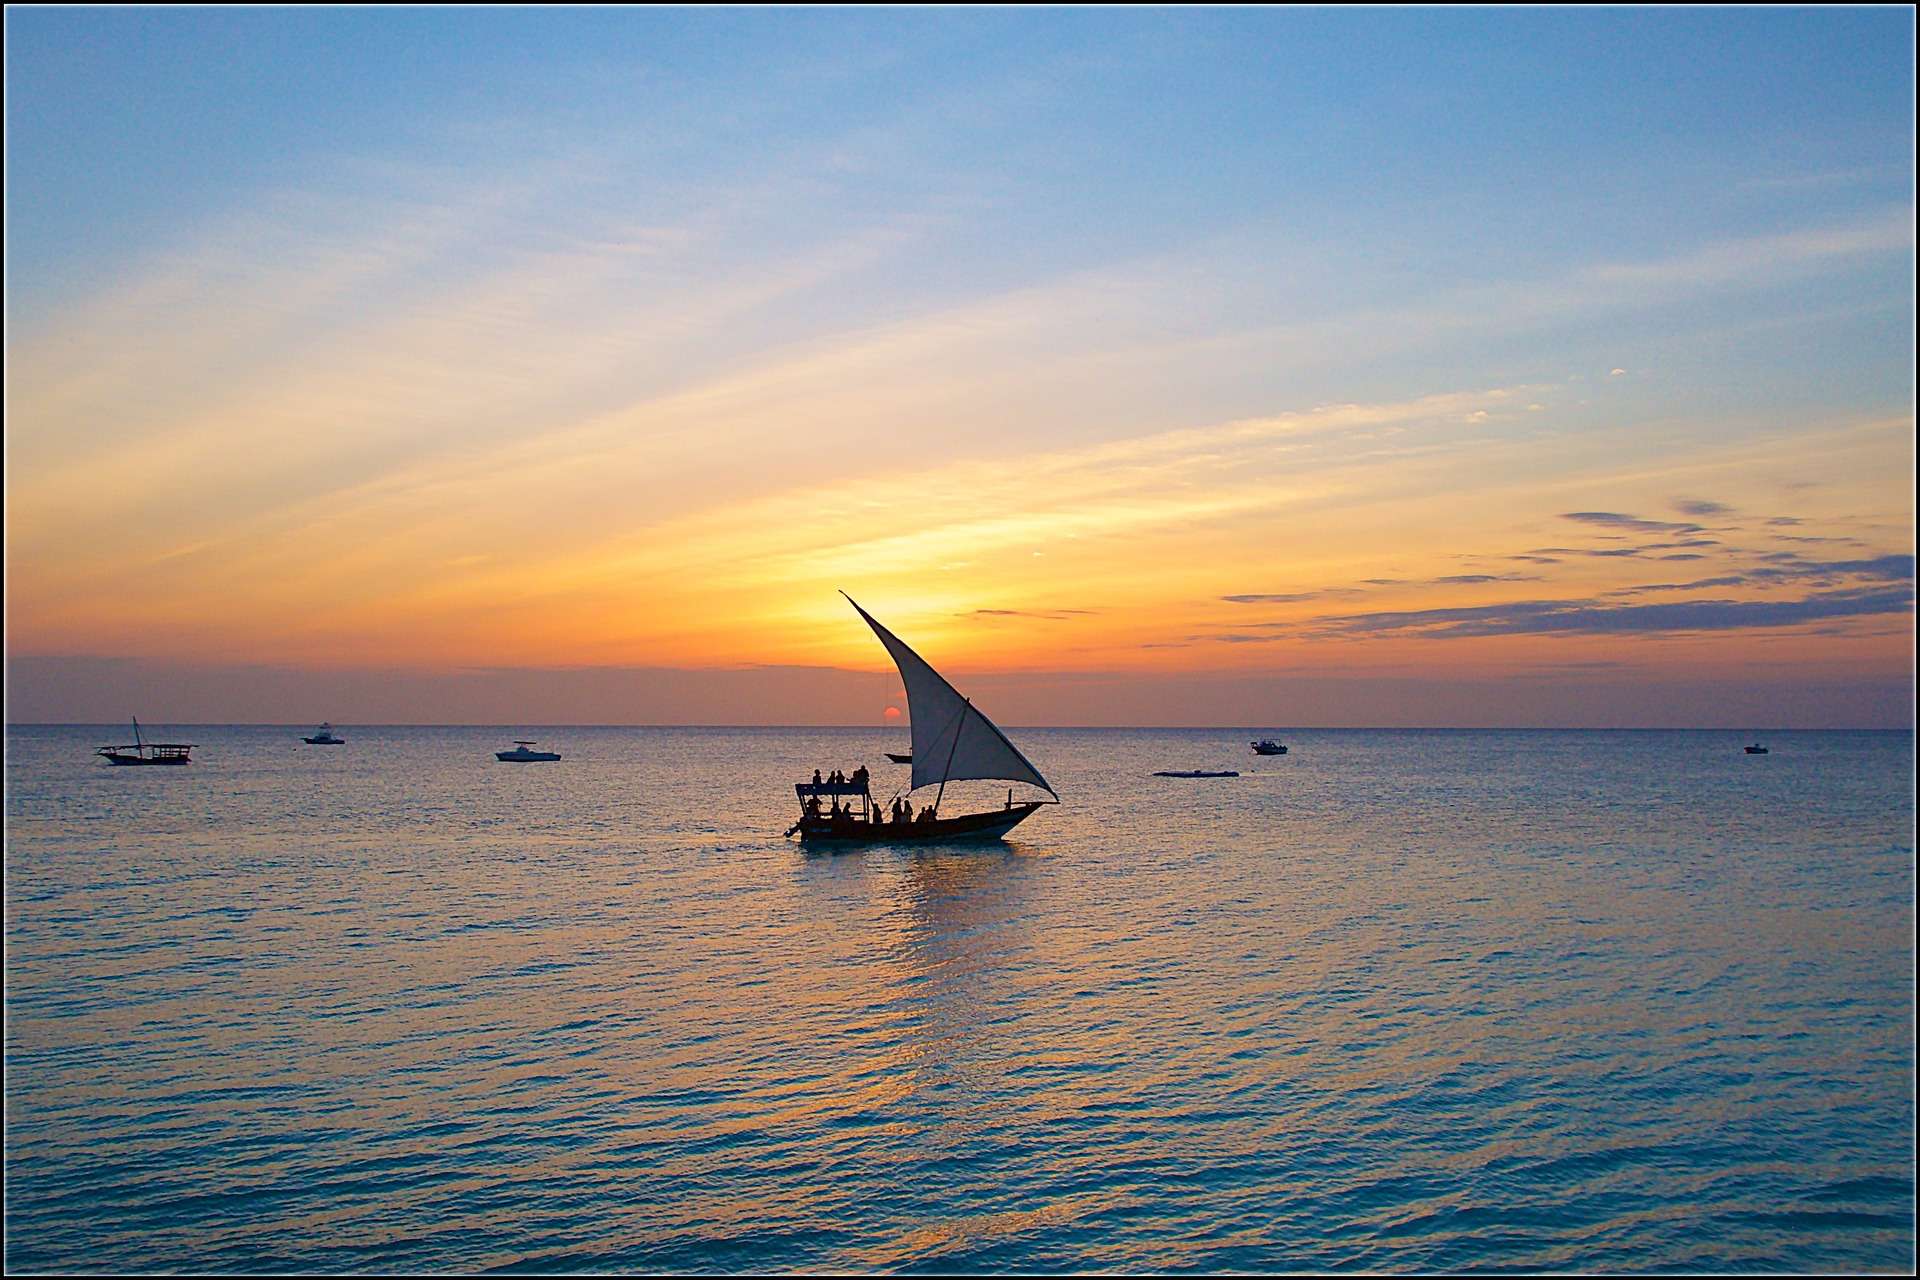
140, 751
952, 742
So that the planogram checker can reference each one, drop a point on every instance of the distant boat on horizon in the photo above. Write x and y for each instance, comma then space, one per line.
900, 757
1756, 750
523, 753
140, 751
1268, 747
324, 737
952, 742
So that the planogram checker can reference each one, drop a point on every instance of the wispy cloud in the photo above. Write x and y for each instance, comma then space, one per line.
1593, 616
1700, 507
1615, 520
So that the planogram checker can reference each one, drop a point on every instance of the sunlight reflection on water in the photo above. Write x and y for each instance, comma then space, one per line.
1396, 1000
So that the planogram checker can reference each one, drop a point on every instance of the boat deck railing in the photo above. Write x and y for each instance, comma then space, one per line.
805, 789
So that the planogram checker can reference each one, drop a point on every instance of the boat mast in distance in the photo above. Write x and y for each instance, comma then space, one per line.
140, 751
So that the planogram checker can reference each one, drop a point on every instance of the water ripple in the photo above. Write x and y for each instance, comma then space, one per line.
1454, 1002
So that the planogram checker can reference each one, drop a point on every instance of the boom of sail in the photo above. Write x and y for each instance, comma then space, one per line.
952, 740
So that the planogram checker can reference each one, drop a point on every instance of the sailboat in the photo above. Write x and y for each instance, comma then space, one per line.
140, 751
952, 742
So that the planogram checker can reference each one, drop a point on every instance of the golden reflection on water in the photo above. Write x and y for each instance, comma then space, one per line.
1301, 1021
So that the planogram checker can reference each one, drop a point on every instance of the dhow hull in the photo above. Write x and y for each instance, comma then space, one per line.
991, 825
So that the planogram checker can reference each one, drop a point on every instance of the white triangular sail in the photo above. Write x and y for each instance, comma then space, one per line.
951, 739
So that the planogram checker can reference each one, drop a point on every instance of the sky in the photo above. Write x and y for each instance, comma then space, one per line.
1273, 367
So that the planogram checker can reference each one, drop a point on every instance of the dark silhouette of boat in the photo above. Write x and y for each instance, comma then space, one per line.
523, 753
1196, 773
952, 742
1756, 750
140, 751
900, 757
1268, 747
324, 737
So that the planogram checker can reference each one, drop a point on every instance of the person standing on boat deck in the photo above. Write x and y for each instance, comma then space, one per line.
816, 777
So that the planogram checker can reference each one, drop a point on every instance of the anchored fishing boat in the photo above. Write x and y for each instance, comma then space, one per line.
140, 751
952, 742
324, 737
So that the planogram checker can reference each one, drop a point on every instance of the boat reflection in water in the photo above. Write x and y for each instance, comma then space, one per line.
952, 742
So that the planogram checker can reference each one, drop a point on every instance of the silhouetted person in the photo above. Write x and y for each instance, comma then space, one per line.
816, 777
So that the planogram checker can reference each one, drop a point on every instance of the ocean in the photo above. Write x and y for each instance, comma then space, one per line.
1397, 1000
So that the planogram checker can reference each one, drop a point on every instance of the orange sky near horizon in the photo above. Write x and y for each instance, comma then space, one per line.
1044, 390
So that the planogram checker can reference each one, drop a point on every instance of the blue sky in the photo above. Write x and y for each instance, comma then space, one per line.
1436, 136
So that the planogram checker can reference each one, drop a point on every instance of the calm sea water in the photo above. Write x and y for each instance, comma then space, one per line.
1397, 1000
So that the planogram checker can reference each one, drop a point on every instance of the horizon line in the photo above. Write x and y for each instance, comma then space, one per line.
1077, 728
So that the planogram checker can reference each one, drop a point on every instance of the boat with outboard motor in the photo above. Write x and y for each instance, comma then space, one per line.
953, 741
523, 753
